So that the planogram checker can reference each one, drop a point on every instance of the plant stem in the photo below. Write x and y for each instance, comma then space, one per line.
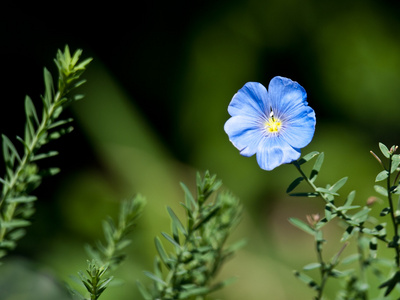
310, 183
363, 263
335, 210
392, 215
11, 185
323, 271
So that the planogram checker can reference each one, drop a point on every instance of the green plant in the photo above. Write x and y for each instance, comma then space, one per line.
104, 258
199, 250
22, 172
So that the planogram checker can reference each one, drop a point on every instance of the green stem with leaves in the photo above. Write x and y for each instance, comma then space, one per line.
323, 271
395, 245
323, 195
105, 257
21, 175
199, 247
9, 188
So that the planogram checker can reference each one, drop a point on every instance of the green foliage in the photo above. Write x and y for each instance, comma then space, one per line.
358, 226
22, 174
104, 258
199, 249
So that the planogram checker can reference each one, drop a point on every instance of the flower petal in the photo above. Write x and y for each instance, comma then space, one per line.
274, 151
299, 130
244, 133
287, 97
251, 99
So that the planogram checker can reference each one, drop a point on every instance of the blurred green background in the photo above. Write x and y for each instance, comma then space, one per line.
156, 101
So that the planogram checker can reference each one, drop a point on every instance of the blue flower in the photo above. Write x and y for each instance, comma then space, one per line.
273, 124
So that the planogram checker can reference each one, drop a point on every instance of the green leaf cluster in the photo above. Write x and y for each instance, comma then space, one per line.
390, 176
358, 226
22, 174
198, 247
105, 257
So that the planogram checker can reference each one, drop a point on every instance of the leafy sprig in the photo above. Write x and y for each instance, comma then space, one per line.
389, 191
106, 257
199, 249
22, 174
358, 225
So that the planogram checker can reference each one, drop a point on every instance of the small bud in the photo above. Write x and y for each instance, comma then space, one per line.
371, 200
393, 149
313, 219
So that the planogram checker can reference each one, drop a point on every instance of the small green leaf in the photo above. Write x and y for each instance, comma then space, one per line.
301, 225
123, 244
350, 259
21, 199
161, 251
108, 230
347, 233
310, 194
27, 149
50, 172
294, 184
61, 132
30, 133
92, 253
317, 167
30, 111
171, 240
385, 211
9, 151
361, 216
311, 266
15, 223
44, 155
337, 274
155, 278
189, 199
17, 234
373, 246
395, 162
74, 58
236, 246
384, 150
346, 208
197, 291
382, 176
49, 88
307, 157
103, 284
326, 191
307, 280
381, 190
350, 198
59, 123
329, 215
391, 283
176, 221
379, 230
338, 185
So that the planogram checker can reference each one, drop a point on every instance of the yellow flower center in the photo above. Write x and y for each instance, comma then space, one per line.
273, 124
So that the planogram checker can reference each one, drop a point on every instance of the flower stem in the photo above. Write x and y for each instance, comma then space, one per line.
313, 186
341, 214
